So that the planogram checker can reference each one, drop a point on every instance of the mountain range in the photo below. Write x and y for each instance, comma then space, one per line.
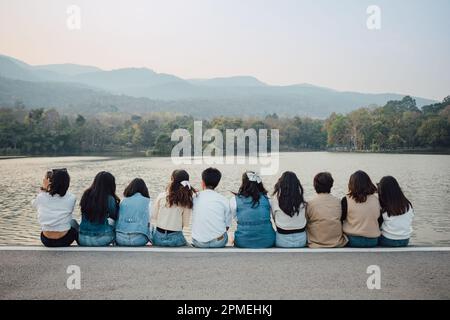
86, 89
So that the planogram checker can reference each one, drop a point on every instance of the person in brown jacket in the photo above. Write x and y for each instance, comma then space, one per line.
323, 214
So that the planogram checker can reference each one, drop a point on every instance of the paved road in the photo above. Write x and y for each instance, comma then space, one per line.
230, 275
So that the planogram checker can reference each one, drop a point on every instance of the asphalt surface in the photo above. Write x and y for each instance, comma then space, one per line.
229, 275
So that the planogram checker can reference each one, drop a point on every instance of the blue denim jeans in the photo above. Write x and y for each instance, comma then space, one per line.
211, 244
386, 242
165, 239
292, 240
361, 242
101, 240
131, 239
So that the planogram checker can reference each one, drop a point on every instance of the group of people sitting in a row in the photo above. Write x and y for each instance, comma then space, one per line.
366, 217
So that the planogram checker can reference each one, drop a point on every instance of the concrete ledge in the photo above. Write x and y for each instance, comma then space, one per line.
223, 250
189, 274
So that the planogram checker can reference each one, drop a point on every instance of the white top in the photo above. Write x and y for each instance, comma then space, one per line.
397, 227
285, 222
169, 218
54, 212
211, 216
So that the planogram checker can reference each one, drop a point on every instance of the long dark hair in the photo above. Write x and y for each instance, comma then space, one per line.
177, 194
136, 186
94, 202
59, 182
392, 199
360, 186
289, 192
251, 189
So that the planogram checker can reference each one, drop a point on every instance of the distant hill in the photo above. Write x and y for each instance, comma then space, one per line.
236, 81
67, 69
77, 88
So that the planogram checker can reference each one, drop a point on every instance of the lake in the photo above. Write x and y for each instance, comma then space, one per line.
424, 178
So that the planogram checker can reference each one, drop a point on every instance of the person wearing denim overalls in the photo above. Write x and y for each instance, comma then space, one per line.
251, 209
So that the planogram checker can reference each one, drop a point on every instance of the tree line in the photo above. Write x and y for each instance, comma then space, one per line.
397, 126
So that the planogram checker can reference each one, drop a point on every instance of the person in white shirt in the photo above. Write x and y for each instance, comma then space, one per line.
211, 215
55, 208
397, 214
288, 211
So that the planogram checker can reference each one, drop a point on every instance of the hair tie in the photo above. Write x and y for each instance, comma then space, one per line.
186, 183
252, 176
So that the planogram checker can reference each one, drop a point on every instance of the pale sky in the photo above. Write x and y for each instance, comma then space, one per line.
322, 42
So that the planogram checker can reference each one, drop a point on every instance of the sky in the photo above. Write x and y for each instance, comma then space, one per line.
281, 42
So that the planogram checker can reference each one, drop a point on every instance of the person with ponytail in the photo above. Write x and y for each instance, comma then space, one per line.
251, 209
172, 211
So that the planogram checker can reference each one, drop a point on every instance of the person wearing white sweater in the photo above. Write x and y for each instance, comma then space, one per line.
397, 214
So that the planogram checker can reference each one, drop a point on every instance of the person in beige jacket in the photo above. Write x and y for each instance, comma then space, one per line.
361, 211
323, 214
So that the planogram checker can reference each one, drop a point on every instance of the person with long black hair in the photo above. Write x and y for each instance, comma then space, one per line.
172, 211
250, 208
397, 214
55, 206
288, 212
99, 210
133, 224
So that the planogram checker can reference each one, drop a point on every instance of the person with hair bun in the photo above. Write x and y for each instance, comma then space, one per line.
172, 211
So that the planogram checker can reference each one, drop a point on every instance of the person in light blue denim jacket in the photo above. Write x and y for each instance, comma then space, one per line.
99, 210
133, 225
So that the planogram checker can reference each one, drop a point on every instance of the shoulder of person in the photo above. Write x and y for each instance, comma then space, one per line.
42, 195
70, 196
160, 196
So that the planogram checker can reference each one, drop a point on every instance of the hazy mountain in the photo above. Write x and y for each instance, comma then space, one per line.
67, 69
122, 79
89, 89
13, 70
237, 81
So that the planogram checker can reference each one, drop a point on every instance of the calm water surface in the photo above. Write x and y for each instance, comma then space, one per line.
424, 178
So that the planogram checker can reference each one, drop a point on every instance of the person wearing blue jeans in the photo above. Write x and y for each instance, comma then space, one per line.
386, 242
361, 242
220, 242
291, 240
361, 211
171, 211
288, 209
397, 214
211, 214
167, 238
133, 224
99, 211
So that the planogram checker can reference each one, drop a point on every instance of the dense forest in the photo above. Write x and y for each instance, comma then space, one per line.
397, 126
